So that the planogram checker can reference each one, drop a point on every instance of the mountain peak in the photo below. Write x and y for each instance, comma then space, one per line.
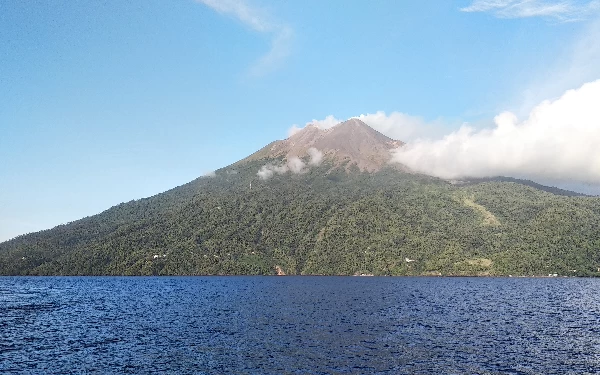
354, 122
349, 143
350, 123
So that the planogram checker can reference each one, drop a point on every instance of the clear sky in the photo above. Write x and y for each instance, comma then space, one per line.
102, 102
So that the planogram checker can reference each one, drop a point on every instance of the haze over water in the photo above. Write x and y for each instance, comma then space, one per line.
299, 325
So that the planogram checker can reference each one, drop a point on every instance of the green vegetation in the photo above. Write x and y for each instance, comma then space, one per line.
323, 222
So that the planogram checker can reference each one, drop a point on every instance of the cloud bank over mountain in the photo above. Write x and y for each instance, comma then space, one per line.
559, 141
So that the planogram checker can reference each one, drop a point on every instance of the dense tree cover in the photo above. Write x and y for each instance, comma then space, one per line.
325, 221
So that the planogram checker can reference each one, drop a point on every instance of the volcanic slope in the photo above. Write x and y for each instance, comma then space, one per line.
352, 144
347, 212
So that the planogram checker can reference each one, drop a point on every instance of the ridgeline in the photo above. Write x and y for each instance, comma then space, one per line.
340, 216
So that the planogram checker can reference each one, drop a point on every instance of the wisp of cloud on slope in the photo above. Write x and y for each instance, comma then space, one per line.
316, 156
559, 141
293, 164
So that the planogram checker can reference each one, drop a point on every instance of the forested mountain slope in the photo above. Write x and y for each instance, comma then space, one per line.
331, 219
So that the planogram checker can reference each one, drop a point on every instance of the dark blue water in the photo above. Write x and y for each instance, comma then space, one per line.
299, 325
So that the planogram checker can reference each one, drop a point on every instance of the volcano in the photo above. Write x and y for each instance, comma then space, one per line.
350, 213
350, 143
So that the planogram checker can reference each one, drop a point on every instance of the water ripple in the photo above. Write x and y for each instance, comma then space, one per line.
299, 325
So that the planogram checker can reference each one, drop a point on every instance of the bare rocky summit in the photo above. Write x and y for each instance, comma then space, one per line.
350, 143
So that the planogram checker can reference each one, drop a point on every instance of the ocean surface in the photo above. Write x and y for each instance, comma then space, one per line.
299, 325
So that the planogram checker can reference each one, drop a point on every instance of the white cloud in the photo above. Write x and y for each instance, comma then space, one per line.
210, 174
397, 125
316, 156
402, 126
328, 122
564, 10
293, 130
281, 34
265, 172
268, 170
558, 142
295, 165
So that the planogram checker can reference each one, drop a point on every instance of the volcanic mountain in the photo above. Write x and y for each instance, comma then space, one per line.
348, 213
350, 143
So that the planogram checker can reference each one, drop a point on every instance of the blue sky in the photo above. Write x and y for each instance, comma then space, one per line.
105, 102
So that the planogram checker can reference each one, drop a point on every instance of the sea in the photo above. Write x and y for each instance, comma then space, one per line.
299, 325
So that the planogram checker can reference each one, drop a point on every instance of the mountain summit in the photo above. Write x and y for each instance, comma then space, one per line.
326, 220
349, 143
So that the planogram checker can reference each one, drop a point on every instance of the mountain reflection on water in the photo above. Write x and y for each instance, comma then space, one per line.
299, 325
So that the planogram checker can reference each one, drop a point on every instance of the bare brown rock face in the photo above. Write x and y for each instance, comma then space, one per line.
351, 142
